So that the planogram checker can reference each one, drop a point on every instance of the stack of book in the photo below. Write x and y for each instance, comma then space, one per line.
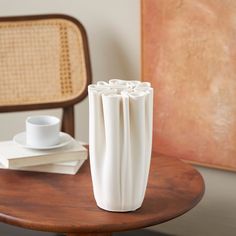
65, 160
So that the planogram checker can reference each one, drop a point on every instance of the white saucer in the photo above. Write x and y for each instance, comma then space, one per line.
20, 139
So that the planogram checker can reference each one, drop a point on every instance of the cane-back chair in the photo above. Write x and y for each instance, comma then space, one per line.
44, 63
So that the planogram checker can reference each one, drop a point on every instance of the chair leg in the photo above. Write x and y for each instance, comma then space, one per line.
68, 125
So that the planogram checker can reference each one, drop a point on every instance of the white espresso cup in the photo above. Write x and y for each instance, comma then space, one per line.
42, 131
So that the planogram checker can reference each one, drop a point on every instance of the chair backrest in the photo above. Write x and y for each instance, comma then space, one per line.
44, 63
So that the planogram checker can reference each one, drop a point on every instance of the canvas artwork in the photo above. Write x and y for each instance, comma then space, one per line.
189, 56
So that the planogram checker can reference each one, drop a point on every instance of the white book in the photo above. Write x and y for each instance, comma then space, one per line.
13, 155
70, 167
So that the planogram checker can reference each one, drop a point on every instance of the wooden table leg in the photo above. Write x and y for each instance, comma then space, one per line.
91, 234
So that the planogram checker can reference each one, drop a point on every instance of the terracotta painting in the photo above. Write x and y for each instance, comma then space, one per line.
189, 56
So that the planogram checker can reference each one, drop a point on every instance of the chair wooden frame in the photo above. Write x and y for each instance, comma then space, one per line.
67, 105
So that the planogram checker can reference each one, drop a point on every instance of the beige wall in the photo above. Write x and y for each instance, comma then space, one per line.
114, 36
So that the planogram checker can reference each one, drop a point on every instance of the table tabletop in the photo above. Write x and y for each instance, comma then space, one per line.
65, 203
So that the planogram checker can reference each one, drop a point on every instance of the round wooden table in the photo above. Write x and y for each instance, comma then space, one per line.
64, 203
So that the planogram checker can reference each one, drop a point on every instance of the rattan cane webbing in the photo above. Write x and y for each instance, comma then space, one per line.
41, 61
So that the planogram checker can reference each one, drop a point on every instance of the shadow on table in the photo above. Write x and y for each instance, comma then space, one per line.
142, 232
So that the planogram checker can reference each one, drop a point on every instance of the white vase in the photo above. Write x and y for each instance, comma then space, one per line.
120, 139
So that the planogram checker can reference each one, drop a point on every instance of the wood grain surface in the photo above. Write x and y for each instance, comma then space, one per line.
189, 57
64, 203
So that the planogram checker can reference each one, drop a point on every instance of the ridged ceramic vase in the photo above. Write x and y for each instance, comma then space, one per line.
120, 139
